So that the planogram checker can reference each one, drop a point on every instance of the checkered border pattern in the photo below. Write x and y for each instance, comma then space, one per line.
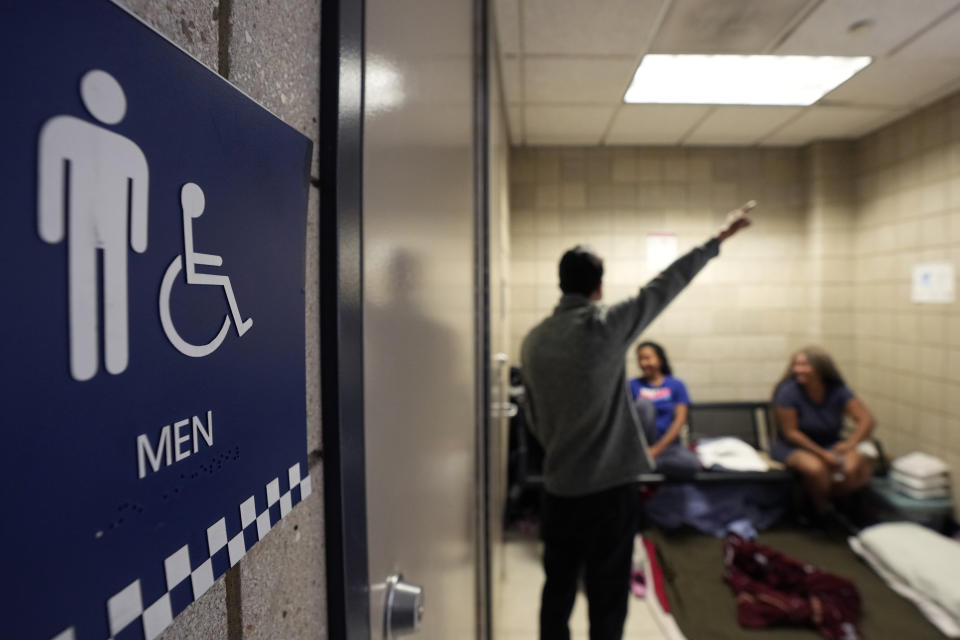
126, 606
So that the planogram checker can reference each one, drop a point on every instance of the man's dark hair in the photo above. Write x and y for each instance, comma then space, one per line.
581, 271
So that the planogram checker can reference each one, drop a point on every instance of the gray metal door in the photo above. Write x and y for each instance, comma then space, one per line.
419, 304
403, 315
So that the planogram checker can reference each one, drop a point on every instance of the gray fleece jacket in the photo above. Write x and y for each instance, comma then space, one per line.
577, 401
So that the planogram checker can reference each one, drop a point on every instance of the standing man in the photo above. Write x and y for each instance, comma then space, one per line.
580, 411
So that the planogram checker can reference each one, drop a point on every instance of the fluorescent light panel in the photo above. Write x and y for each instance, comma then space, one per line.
756, 80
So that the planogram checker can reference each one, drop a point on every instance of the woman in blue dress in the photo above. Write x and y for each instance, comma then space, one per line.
810, 403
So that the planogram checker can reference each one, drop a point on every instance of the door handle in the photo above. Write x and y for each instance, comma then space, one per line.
403, 609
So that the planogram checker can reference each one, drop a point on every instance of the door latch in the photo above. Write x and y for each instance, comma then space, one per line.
403, 608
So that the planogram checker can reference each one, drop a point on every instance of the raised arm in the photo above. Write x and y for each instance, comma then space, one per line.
139, 185
51, 203
630, 317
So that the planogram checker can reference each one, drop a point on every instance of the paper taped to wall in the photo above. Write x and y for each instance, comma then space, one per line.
661, 250
933, 283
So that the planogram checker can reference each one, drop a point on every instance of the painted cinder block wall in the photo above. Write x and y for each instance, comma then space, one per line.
840, 226
271, 52
729, 334
908, 212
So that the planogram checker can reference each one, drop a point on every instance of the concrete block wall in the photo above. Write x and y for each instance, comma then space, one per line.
270, 51
831, 220
840, 226
908, 213
729, 334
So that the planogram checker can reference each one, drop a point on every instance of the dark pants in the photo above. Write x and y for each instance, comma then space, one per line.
592, 534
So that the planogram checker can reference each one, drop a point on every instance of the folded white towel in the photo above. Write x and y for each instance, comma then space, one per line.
920, 465
922, 494
730, 453
922, 484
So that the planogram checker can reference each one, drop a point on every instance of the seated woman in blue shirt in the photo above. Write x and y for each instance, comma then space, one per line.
668, 395
810, 403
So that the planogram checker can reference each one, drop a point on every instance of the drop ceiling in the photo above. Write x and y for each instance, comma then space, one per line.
565, 65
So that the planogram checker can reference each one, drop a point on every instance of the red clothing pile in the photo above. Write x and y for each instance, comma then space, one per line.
772, 588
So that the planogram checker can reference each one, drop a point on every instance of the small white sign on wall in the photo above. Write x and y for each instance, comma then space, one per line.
933, 283
661, 250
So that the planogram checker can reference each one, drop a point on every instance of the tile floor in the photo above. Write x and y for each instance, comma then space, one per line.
518, 600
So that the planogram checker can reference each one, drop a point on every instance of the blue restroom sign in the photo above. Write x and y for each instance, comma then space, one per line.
153, 226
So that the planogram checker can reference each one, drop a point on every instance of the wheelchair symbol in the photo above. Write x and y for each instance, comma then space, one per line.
192, 201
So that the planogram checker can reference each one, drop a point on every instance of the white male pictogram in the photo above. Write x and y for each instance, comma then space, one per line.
92, 185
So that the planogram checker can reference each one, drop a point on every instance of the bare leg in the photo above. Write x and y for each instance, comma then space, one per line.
816, 478
84, 344
116, 344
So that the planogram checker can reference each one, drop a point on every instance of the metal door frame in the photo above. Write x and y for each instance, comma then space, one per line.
482, 351
341, 317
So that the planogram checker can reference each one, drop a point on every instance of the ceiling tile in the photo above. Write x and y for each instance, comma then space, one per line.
653, 123
507, 17
740, 125
825, 31
708, 26
577, 80
595, 27
897, 82
941, 41
829, 123
565, 124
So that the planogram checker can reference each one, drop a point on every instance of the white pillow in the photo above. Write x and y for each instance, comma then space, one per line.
924, 559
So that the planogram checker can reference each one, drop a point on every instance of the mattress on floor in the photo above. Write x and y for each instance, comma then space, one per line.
703, 605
